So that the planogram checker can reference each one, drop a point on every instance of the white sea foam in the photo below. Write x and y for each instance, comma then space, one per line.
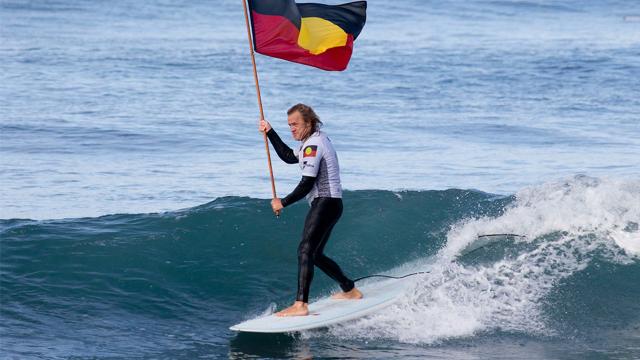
566, 225
628, 241
578, 206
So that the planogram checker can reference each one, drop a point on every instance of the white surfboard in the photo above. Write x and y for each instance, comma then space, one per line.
327, 311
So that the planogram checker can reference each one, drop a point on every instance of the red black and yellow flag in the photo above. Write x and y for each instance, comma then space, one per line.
312, 34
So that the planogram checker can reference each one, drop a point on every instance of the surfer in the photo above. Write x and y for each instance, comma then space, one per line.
321, 185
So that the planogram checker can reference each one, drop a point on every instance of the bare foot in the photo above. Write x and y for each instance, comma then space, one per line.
353, 294
298, 308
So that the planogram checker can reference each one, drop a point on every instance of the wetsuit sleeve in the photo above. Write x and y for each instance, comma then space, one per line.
304, 187
284, 152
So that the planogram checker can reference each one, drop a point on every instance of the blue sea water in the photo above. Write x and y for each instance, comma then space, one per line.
134, 183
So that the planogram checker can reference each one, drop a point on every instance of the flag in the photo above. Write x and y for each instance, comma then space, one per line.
312, 34
310, 151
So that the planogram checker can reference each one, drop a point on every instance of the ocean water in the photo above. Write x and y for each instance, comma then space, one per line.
134, 184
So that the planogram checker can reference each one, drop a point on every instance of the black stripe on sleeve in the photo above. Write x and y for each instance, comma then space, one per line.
284, 152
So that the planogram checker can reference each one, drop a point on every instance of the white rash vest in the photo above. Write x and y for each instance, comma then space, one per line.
318, 158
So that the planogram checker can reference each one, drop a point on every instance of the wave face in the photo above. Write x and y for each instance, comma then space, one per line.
574, 271
142, 283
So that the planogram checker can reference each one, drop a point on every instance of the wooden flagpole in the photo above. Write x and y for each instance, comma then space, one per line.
255, 77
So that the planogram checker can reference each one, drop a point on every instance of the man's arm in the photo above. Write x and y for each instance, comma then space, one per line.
304, 187
312, 156
284, 152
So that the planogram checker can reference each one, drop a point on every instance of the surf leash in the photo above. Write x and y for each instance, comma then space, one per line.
504, 235
391, 277
427, 272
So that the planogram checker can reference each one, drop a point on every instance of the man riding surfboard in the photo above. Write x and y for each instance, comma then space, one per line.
321, 185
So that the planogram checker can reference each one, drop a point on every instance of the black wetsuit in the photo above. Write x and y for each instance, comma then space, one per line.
316, 157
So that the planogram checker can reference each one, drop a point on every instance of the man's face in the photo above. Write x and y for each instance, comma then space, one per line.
297, 125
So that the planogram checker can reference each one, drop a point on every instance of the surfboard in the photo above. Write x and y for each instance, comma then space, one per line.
327, 311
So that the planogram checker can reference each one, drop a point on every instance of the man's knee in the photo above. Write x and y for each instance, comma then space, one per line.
304, 251
317, 256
